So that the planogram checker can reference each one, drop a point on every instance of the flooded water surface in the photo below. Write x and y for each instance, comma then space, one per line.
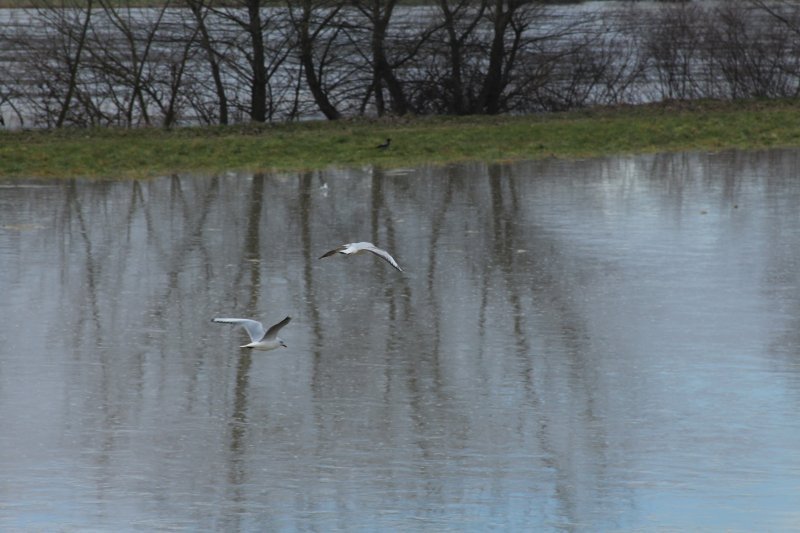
588, 345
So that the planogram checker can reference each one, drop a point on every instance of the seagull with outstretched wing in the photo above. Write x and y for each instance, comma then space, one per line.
259, 339
359, 247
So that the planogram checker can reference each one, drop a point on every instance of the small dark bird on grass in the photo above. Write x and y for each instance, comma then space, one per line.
384, 146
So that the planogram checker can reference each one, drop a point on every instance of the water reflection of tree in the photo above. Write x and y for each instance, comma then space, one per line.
99, 224
782, 275
522, 259
411, 361
309, 256
415, 364
93, 263
250, 265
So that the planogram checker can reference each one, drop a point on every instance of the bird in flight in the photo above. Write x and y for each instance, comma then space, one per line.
259, 340
385, 145
358, 247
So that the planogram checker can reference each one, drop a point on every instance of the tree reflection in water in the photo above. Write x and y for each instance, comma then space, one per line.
540, 360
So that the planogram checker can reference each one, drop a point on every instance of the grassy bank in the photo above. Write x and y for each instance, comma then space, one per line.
439, 140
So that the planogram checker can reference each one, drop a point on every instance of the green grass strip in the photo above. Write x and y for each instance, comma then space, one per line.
143, 152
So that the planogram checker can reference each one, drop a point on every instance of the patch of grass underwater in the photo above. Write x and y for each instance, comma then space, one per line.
143, 152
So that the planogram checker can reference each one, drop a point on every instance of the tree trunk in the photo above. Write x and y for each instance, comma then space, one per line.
382, 70
452, 16
306, 52
74, 67
197, 9
258, 85
492, 88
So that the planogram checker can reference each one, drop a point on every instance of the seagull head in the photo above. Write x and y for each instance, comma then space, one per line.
283, 344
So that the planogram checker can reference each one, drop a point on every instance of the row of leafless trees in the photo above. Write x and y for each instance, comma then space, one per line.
102, 62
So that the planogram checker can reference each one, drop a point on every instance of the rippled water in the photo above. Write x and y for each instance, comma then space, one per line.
589, 345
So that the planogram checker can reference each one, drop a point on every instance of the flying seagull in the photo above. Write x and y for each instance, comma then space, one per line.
258, 339
384, 146
358, 247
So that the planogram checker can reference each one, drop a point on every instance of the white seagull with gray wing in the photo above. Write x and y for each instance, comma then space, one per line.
358, 247
259, 339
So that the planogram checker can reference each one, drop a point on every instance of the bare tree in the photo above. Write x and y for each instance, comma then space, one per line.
54, 60
254, 26
460, 22
262, 60
378, 14
312, 22
497, 56
509, 20
176, 63
245, 60
674, 43
781, 44
129, 58
73, 63
200, 11
785, 12
725, 50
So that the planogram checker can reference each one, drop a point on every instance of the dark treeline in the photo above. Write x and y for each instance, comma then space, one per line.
103, 62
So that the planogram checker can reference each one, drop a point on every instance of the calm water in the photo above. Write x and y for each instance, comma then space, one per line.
591, 345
